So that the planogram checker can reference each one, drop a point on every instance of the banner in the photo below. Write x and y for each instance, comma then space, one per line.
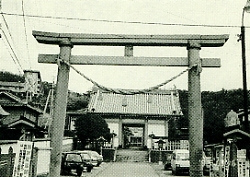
22, 159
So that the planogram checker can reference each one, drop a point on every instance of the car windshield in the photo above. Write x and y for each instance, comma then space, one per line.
73, 158
182, 156
95, 154
86, 156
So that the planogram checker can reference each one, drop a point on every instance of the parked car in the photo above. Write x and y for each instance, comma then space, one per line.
180, 161
167, 164
87, 157
207, 166
74, 162
96, 158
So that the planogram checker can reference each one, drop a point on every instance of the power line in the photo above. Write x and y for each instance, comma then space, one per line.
16, 60
25, 32
128, 22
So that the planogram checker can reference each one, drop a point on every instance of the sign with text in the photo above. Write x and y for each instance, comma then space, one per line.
23, 158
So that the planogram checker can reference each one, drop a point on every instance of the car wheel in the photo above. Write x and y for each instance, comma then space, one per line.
173, 172
89, 169
176, 172
79, 171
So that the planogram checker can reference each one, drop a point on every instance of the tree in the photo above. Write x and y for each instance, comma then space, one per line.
10, 77
90, 127
215, 105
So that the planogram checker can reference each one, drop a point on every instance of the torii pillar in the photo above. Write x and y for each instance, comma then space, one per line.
195, 110
193, 44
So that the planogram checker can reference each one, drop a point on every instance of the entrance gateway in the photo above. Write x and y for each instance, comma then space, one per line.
133, 135
66, 41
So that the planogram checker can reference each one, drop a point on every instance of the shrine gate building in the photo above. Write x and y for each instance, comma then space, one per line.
140, 114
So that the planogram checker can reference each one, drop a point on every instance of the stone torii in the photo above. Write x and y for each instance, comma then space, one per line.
193, 43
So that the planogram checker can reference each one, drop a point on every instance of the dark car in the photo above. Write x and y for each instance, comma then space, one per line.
74, 162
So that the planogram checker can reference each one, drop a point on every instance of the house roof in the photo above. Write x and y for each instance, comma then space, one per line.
3, 112
160, 103
236, 133
15, 101
28, 123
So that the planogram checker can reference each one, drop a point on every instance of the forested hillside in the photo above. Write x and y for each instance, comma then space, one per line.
215, 105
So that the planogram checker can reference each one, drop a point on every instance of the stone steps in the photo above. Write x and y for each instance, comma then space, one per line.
131, 156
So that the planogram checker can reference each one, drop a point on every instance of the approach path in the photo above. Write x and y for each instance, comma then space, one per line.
125, 169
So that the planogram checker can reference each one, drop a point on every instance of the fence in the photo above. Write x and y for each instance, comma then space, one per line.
40, 159
156, 155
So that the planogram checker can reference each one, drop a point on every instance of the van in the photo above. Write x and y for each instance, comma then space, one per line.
180, 161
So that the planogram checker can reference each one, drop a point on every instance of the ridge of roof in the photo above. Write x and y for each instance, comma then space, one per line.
154, 92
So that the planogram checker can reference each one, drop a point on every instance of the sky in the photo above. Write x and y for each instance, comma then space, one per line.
167, 17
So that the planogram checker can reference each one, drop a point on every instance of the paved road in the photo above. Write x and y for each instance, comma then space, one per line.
124, 169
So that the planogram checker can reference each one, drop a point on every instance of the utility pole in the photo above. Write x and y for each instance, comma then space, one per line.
51, 108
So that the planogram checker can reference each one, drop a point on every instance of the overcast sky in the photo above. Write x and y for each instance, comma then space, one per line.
115, 17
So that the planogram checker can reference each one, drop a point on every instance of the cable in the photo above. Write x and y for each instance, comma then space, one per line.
25, 32
130, 22
16, 60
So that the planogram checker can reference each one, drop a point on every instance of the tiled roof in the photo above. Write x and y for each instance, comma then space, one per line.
158, 103
17, 100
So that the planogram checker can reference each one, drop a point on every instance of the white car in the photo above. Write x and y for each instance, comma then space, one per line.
96, 158
180, 161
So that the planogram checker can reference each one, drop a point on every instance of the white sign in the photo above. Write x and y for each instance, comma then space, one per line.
241, 154
22, 159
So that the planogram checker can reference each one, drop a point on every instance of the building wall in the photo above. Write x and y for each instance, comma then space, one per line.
157, 127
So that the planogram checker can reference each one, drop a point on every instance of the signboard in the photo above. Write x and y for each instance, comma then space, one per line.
242, 154
23, 158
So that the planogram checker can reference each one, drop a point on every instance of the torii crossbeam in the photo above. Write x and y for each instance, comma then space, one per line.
193, 43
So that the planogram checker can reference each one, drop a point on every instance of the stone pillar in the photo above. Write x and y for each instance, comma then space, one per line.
59, 113
194, 110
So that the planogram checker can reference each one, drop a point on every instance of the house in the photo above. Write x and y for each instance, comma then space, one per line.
19, 120
31, 84
134, 118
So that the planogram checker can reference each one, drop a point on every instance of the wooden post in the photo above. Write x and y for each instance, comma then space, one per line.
145, 131
233, 167
120, 132
194, 111
33, 162
59, 115
10, 162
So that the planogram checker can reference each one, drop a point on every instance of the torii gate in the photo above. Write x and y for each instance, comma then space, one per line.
66, 41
